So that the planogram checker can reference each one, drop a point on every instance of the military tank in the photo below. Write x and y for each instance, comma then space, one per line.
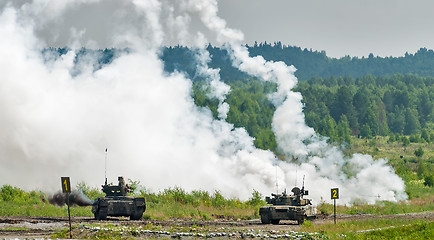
117, 203
287, 207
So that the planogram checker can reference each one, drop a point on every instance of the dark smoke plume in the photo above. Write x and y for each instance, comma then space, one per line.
76, 198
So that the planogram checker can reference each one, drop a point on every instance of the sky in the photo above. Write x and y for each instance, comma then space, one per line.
339, 27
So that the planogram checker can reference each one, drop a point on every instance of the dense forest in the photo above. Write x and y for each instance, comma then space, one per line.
309, 63
364, 97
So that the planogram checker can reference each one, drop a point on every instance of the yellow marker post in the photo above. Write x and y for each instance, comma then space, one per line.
66, 188
334, 196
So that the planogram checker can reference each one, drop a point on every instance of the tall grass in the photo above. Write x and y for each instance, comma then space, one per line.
169, 203
16, 202
381, 207
175, 202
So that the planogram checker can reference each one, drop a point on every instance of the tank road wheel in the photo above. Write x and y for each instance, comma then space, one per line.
265, 219
137, 214
275, 221
101, 213
138, 209
300, 221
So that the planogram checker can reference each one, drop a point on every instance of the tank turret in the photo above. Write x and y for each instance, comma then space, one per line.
116, 190
294, 200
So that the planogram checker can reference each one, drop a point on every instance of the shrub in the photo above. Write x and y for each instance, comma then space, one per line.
429, 181
307, 223
217, 199
405, 141
256, 199
9, 193
325, 208
91, 193
419, 152
391, 138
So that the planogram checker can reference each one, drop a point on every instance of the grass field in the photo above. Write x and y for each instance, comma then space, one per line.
379, 147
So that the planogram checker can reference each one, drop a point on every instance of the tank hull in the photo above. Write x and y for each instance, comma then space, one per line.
118, 206
273, 214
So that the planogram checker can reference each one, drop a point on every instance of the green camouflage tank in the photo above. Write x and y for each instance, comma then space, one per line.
287, 207
117, 203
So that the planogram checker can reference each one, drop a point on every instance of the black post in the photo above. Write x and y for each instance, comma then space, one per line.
69, 215
334, 200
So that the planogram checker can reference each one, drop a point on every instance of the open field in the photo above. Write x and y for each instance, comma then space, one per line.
379, 147
348, 226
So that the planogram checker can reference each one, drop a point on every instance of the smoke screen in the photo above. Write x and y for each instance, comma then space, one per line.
59, 115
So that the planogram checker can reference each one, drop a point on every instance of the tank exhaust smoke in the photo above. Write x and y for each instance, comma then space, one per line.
76, 198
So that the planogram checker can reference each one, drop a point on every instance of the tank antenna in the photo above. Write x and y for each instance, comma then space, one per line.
296, 168
302, 188
277, 185
303, 182
105, 167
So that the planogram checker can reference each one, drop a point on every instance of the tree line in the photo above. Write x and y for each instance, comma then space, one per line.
369, 106
309, 63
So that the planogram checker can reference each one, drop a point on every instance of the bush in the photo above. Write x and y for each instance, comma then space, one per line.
429, 181
9, 193
325, 208
307, 223
256, 199
91, 193
218, 200
419, 152
405, 141
415, 138
391, 138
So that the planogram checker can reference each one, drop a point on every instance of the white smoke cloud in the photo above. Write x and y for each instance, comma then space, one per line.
294, 137
55, 123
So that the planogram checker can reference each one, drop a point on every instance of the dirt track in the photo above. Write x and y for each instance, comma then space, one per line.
44, 227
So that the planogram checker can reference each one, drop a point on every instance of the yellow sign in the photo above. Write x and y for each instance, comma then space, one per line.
66, 186
335, 193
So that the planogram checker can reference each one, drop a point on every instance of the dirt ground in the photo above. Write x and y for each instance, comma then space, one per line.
84, 227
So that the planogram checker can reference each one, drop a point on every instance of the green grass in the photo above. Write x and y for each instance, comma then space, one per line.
381, 207
40, 209
379, 147
374, 229
176, 203
177, 210
417, 230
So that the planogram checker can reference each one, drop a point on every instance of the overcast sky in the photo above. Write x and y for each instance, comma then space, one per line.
340, 27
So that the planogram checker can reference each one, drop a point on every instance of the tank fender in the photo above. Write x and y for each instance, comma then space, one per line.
139, 202
103, 202
98, 204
